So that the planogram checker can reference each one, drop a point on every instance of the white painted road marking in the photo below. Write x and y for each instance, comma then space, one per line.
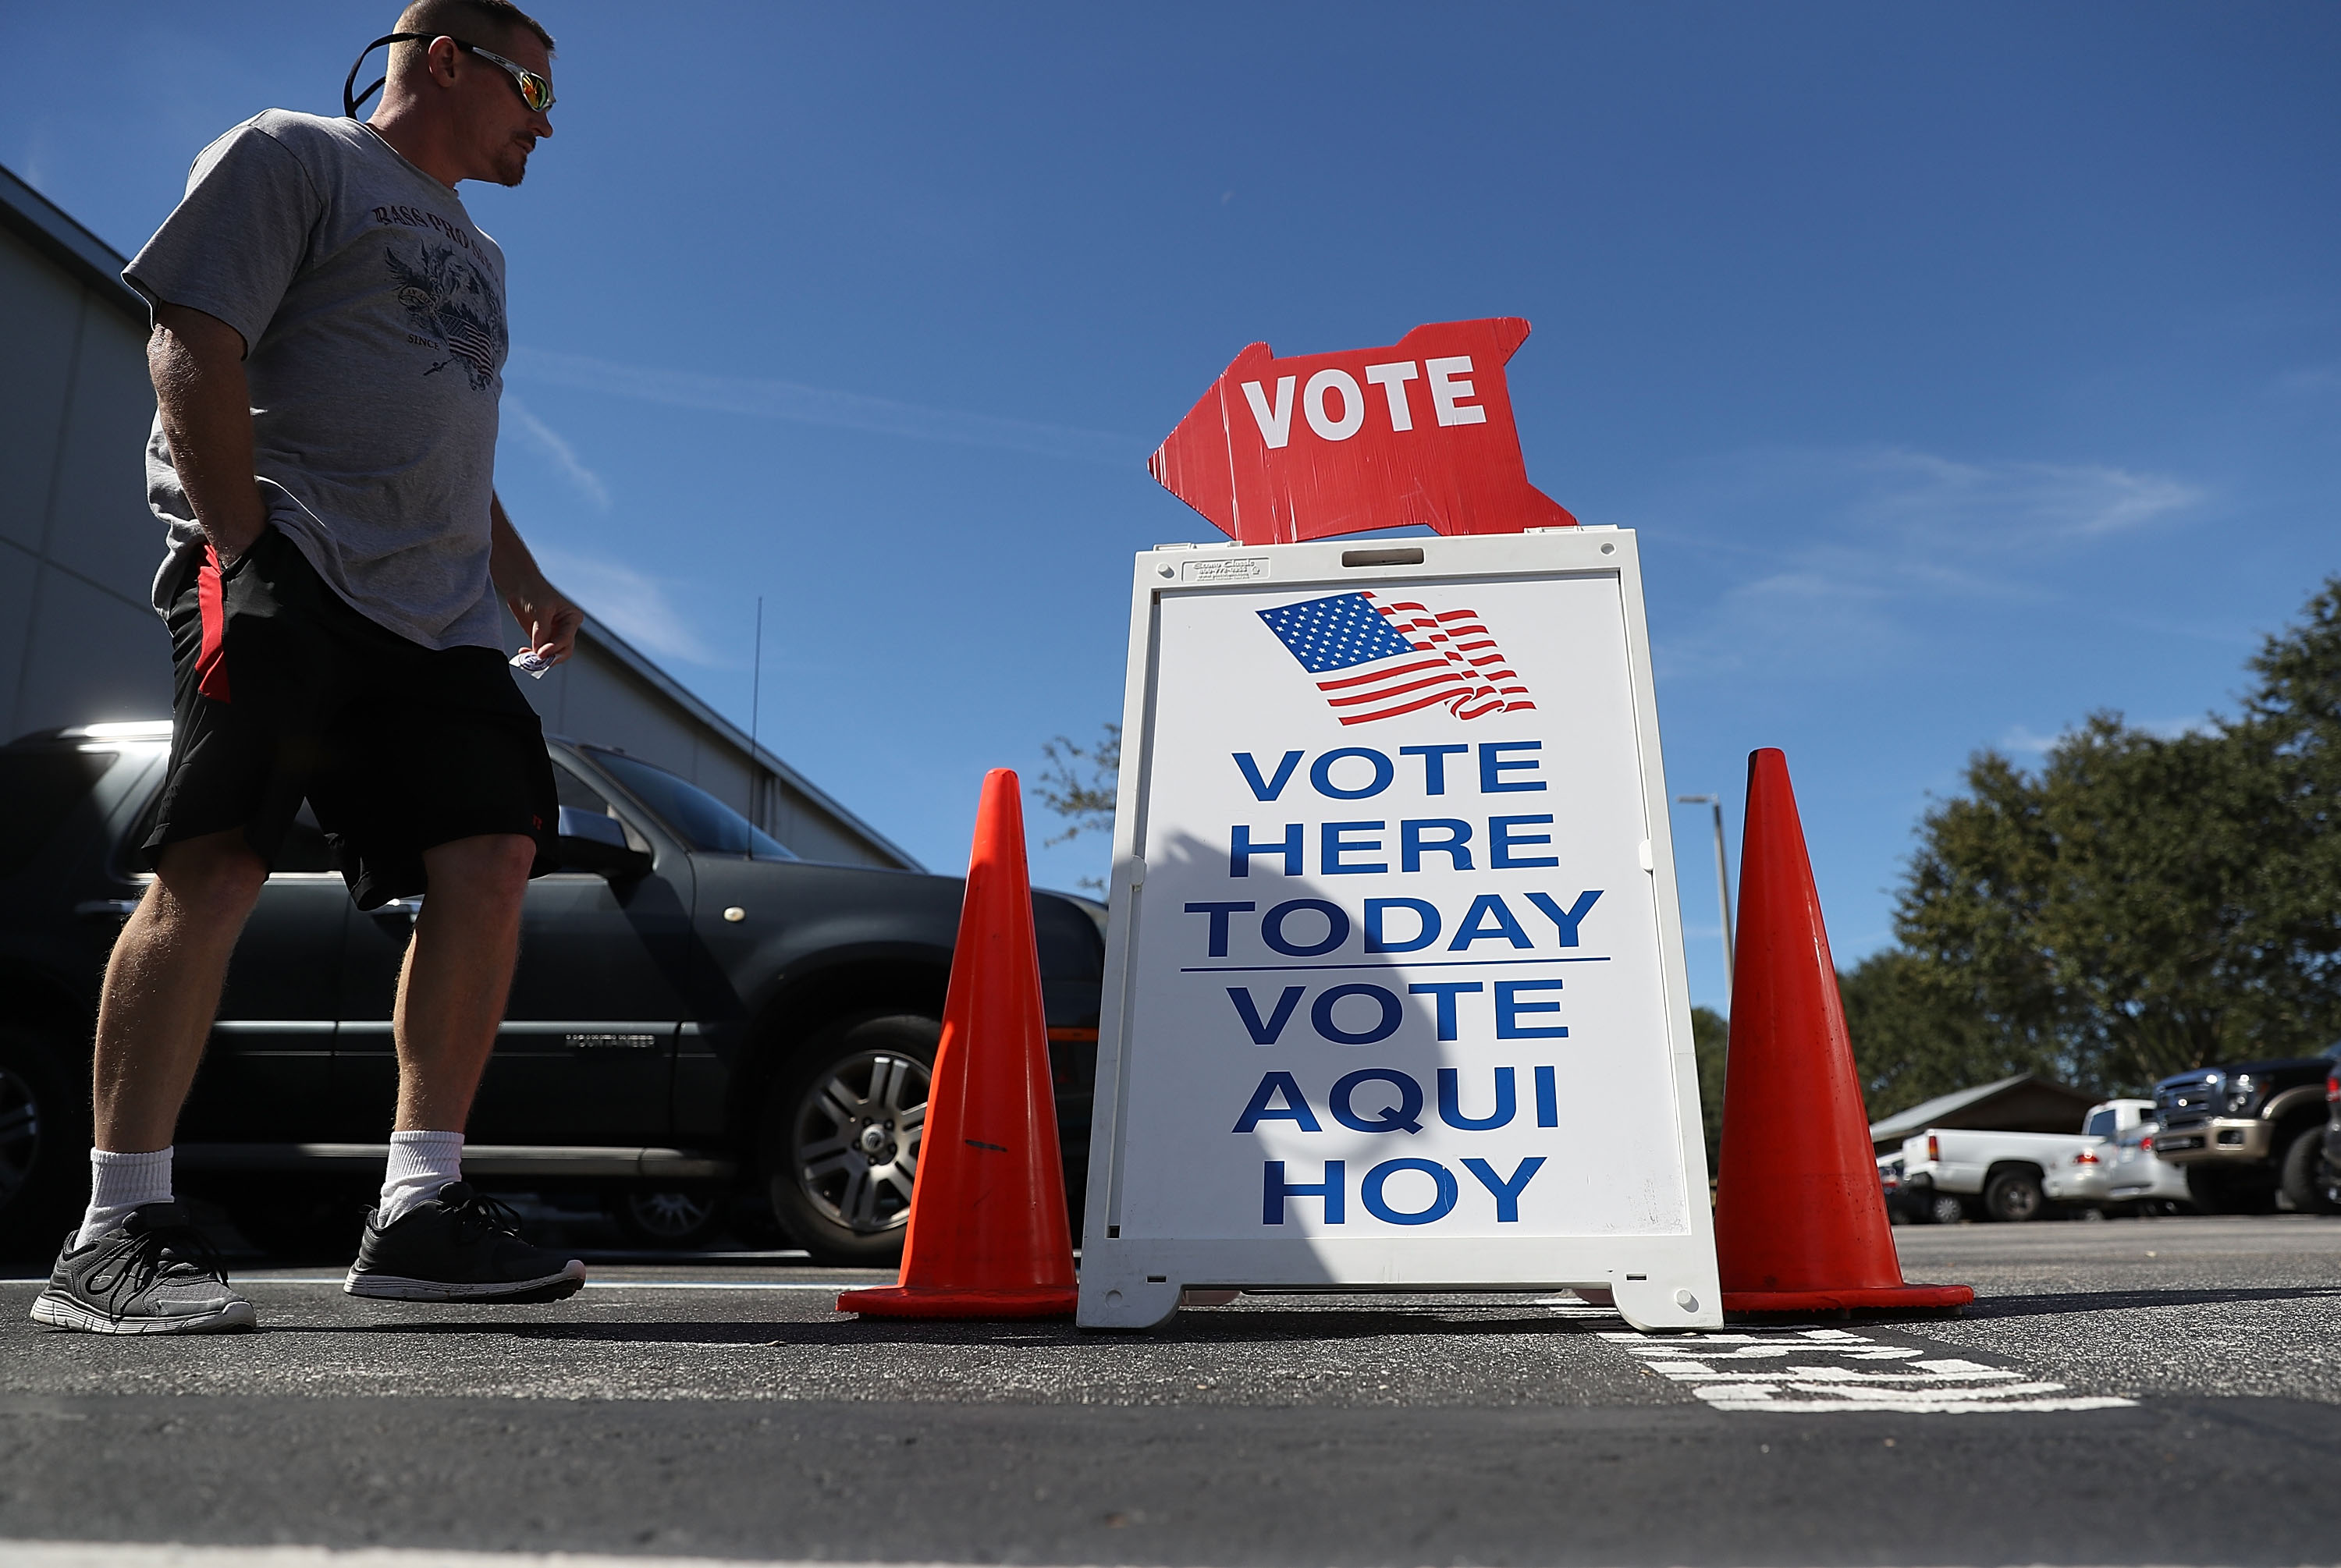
139, 1555
1889, 1377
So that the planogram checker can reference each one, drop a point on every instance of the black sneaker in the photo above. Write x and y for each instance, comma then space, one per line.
462, 1245
152, 1273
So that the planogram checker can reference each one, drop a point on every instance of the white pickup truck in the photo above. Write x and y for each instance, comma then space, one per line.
1999, 1174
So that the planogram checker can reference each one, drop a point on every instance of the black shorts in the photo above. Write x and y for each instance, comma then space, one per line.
281, 692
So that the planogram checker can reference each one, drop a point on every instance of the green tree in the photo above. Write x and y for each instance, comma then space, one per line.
2139, 905
1710, 1037
1079, 785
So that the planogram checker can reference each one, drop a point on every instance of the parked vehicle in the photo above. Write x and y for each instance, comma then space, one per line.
2139, 1178
2118, 1176
699, 1016
2248, 1132
2000, 1175
2332, 1136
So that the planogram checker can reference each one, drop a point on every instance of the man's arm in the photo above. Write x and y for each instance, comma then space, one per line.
196, 362
550, 621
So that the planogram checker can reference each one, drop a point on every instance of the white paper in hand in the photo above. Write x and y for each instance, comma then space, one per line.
527, 662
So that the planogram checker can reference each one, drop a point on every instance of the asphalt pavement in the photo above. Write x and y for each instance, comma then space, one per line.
2159, 1390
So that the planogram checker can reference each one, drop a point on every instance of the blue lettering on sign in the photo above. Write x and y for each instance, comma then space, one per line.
1332, 1190
1273, 788
1502, 841
1264, 1109
1219, 914
1434, 764
1400, 1117
1321, 773
1413, 843
1509, 1008
1507, 1192
1336, 843
1547, 1099
1442, 1202
1491, 908
1446, 991
1264, 1033
1275, 1189
1240, 850
1382, 1028
1336, 928
1427, 923
1565, 921
1451, 1109
1494, 765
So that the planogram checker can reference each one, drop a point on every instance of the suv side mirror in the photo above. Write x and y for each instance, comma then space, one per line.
593, 842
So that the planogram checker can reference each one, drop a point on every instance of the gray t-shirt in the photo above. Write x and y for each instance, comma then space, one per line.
372, 313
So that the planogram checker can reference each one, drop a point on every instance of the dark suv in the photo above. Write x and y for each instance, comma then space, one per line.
2246, 1132
699, 1016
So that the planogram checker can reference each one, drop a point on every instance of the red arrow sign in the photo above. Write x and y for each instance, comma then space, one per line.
1281, 450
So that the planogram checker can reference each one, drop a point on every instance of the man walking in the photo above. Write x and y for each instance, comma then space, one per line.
327, 352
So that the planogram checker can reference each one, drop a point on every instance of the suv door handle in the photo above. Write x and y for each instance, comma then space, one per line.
409, 909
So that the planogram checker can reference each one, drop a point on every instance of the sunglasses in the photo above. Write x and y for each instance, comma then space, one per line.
535, 91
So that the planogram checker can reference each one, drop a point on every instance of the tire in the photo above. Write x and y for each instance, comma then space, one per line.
2014, 1197
1945, 1208
2216, 1191
2303, 1177
668, 1217
43, 1145
839, 1137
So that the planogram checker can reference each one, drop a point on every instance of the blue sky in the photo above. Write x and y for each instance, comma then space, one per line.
1965, 369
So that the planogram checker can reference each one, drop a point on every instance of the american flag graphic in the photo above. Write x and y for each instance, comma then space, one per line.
472, 341
1385, 659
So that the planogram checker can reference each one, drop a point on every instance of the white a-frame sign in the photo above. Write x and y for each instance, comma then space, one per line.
1394, 993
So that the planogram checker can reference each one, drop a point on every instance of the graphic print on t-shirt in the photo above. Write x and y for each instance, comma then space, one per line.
450, 299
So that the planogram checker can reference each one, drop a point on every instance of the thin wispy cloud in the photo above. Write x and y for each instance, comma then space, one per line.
1882, 534
637, 606
795, 403
554, 448
2070, 500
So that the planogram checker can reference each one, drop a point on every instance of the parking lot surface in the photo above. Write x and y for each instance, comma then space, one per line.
2163, 1389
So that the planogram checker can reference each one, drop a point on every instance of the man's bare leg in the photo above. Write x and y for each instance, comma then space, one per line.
457, 974
163, 987
451, 999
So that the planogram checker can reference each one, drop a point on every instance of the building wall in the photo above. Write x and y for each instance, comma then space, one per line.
79, 642
78, 547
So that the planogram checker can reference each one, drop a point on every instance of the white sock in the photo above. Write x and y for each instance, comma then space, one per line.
119, 1184
420, 1165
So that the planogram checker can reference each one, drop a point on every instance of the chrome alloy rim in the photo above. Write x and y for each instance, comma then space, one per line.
857, 1140
667, 1212
20, 1135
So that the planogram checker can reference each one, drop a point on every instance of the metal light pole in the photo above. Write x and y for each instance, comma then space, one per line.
1722, 877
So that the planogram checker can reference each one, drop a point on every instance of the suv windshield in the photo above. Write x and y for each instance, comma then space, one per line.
705, 823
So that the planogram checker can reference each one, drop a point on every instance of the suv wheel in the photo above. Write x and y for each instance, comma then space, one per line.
667, 1216
2217, 1191
2306, 1180
2014, 1195
840, 1137
43, 1169
1945, 1209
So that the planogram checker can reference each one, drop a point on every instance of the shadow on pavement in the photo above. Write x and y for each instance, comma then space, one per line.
1248, 1327
2118, 1300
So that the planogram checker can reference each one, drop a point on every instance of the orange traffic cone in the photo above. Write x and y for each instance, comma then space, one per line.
1800, 1221
987, 1233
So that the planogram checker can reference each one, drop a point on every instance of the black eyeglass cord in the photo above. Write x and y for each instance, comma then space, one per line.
350, 104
